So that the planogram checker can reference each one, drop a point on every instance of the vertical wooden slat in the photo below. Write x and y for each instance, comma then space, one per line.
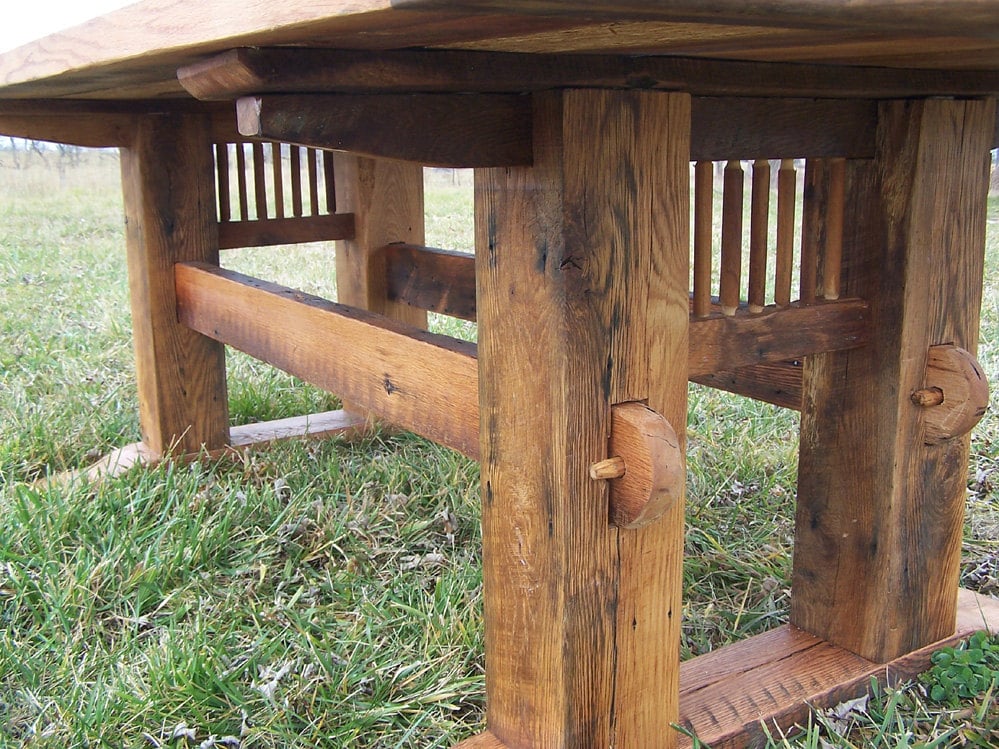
311, 155
222, 174
277, 168
812, 228
758, 229
879, 519
704, 174
329, 180
243, 199
731, 238
834, 229
259, 180
296, 180
786, 189
169, 191
582, 620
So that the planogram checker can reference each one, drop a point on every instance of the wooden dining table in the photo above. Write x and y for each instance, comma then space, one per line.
604, 279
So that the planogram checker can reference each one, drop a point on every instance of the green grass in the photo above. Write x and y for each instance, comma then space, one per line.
325, 593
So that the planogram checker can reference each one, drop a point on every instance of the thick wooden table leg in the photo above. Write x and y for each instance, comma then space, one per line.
386, 198
880, 513
582, 268
169, 188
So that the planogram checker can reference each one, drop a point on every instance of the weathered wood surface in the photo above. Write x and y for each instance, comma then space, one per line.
448, 130
482, 741
386, 200
135, 52
778, 383
407, 376
241, 437
582, 620
958, 393
876, 557
721, 343
275, 231
652, 476
779, 676
441, 281
249, 71
169, 196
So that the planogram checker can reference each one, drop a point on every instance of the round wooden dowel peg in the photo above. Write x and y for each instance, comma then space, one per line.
955, 396
646, 470
611, 468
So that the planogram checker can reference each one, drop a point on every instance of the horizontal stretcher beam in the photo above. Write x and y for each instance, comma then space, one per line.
428, 383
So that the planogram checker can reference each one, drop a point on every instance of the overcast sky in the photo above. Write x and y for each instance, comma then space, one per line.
24, 20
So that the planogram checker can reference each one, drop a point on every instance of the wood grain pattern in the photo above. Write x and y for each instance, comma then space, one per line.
779, 676
730, 287
484, 740
778, 383
295, 230
759, 222
581, 622
468, 130
651, 477
784, 263
964, 393
876, 557
704, 199
722, 343
168, 181
386, 200
405, 375
435, 280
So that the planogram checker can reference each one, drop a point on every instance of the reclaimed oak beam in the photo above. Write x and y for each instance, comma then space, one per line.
253, 71
441, 281
582, 619
779, 677
169, 198
448, 130
876, 557
274, 231
778, 383
409, 377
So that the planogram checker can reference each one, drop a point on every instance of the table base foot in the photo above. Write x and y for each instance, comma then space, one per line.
243, 437
775, 678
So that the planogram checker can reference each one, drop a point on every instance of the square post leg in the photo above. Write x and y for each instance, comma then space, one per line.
582, 273
386, 198
169, 194
879, 517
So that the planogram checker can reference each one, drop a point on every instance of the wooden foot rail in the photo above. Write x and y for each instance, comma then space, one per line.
730, 697
428, 383
411, 378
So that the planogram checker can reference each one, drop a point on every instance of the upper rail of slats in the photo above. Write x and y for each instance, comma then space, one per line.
276, 193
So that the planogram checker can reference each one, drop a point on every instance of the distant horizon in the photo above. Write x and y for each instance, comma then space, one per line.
25, 23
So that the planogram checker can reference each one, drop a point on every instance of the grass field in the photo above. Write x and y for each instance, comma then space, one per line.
324, 593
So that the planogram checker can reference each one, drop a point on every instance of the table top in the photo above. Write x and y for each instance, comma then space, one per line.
135, 52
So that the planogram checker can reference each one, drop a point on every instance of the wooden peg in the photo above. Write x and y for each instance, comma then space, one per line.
647, 469
604, 470
955, 396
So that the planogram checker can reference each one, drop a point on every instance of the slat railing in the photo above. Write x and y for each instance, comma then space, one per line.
771, 261
293, 195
